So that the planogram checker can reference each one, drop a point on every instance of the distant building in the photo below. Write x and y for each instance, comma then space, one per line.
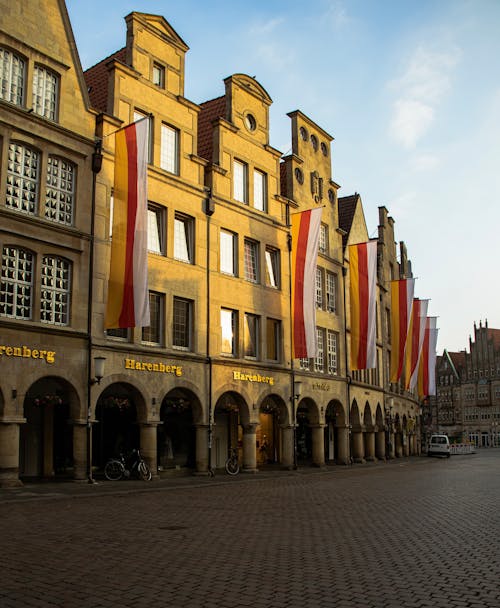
467, 403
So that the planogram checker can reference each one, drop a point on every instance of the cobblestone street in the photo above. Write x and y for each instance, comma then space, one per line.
412, 533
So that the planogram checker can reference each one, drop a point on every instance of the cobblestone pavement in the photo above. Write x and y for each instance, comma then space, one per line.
412, 533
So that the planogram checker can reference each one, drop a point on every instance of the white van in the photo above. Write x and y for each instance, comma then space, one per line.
439, 445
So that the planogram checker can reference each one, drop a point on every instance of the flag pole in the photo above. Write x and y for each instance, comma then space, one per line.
292, 366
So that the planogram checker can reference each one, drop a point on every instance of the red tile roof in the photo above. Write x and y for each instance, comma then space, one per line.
96, 78
210, 111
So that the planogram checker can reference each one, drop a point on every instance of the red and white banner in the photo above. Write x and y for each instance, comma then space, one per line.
427, 364
415, 341
305, 240
401, 303
128, 299
362, 291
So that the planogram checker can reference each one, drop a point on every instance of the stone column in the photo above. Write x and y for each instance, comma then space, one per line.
343, 452
398, 445
369, 444
357, 446
380, 445
249, 448
406, 444
287, 446
9, 452
48, 441
318, 445
79, 450
202, 449
148, 441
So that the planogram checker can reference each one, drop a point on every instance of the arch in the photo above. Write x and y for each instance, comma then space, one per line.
119, 409
176, 434
273, 415
231, 412
50, 406
355, 418
367, 417
307, 414
335, 418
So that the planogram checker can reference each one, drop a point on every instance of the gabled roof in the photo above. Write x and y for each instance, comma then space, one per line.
347, 209
458, 359
494, 336
96, 78
210, 111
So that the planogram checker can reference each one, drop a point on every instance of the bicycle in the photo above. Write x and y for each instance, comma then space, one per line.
232, 465
122, 468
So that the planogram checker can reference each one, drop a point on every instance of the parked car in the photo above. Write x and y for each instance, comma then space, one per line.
439, 445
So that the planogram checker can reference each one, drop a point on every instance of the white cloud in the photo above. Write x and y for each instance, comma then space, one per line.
267, 27
425, 82
425, 162
336, 15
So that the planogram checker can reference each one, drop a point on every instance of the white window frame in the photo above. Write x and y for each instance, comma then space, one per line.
158, 75
260, 190
138, 115
240, 181
169, 153
184, 238
332, 343
156, 229
229, 332
12, 77
323, 239
319, 360
331, 292
273, 270
251, 253
227, 252
45, 92
318, 283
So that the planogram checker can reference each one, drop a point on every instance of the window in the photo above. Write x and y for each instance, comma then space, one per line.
250, 122
305, 364
156, 229
273, 339
55, 287
138, 115
228, 249
22, 178
251, 261
240, 181
183, 320
11, 77
16, 287
251, 336
228, 331
260, 190
319, 360
319, 288
169, 155
314, 142
323, 239
332, 350
60, 191
273, 276
45, 87
158, 75
120, 333
183, 238
153, 334
331, 292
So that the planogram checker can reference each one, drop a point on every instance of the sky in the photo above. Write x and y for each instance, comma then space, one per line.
410, 91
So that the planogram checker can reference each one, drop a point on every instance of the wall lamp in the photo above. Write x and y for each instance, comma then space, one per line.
297, 389
98, 370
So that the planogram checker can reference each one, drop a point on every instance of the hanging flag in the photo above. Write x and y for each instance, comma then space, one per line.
401, 302
128, 299
305, 240
427, 365
362, 290
415, 341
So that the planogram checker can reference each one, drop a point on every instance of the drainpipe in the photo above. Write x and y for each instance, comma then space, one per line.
292, 368
96, 168
209, 211
348, 377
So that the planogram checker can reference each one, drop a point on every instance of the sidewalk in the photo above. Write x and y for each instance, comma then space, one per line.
51, 490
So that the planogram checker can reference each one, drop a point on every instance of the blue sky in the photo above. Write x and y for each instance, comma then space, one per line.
409, 89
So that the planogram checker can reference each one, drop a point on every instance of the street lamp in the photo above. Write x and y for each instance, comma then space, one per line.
99, 375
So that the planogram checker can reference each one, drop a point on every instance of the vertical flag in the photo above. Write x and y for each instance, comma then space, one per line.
305, 240
401, 301
414, 341
128, 299
427, 365
362, 290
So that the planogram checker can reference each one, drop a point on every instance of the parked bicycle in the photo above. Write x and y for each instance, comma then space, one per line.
232, 464
123, 468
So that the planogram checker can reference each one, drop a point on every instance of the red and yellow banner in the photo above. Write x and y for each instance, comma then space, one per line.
128, 300
401, 303
415, 341
305, 240
427, 365
362, 291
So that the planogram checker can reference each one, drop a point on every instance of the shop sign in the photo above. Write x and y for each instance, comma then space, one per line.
253, 378
27, 353
321, 386
144, 366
